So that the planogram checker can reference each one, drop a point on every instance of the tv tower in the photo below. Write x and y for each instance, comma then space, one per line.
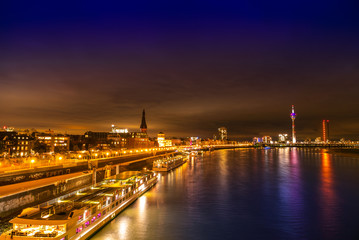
292, 116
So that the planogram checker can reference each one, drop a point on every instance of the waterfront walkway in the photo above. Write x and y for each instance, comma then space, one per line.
25, 186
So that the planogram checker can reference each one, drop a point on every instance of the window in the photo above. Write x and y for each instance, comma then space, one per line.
79, 229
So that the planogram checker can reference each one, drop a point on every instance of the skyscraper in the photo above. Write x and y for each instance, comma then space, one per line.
325, 124
293, 116
143, 126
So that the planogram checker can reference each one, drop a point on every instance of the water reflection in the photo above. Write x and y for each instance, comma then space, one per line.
290, 185
328, 198
249, 194
122, 229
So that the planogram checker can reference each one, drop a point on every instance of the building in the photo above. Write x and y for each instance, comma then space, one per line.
6, 141
267, 139
293, 115
162, 142
16, 144
117, 140
119, 130
325, 127
143, 126
140, 139
23, 144
53, 142
222, 134
257, 140
282, 138
96, 140
8, 129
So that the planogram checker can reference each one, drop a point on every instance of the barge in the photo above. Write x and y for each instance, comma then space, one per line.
80, 216
167, 164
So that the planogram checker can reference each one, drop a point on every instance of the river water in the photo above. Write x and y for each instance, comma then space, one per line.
248, 194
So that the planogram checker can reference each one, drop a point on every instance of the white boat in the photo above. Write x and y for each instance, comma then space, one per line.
167, 164
81, 215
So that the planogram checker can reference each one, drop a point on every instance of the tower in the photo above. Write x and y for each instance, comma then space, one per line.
325, 124
292, 116
143, 126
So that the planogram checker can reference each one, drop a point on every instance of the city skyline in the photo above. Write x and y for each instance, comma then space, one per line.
194, 67
143, 128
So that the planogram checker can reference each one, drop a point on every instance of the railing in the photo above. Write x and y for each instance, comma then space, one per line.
14, 164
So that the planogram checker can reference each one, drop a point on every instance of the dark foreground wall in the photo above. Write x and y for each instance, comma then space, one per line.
15, 203
45, 172
38, 173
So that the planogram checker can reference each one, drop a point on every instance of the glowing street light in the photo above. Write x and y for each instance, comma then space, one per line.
32, 162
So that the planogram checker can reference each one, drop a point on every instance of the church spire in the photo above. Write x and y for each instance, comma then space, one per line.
143, 126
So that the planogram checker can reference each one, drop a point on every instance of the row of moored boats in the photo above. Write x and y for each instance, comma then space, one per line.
81, 215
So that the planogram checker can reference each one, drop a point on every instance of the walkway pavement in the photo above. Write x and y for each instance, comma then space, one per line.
25, 186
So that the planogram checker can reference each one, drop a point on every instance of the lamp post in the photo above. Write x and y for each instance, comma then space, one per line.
32, 162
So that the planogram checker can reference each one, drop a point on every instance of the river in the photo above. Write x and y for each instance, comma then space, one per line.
284, 193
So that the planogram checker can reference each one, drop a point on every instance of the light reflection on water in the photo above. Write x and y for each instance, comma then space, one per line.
248, 193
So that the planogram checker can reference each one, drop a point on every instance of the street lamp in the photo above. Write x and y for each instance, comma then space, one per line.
32, 162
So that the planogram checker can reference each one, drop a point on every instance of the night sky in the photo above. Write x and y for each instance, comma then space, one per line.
193, 65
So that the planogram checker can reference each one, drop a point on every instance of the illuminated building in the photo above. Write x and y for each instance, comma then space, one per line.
54, 142
140, 139
16, 144
257, 140
116, 141
293, 116
162, 142
325, 125
118, 130
8, 129
222, 133
267, 139
282, 138
97, 139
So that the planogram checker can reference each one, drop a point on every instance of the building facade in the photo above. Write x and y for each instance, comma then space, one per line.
53, 142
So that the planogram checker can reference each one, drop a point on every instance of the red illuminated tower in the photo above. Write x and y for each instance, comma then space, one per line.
325, 124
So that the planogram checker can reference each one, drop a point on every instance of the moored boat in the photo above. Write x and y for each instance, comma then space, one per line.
81, 215
167, 164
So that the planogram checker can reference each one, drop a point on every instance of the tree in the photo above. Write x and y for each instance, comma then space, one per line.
39, 147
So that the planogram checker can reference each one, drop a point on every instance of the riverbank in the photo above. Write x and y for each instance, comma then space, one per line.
348, 152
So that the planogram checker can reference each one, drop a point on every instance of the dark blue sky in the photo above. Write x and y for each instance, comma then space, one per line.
194, 66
